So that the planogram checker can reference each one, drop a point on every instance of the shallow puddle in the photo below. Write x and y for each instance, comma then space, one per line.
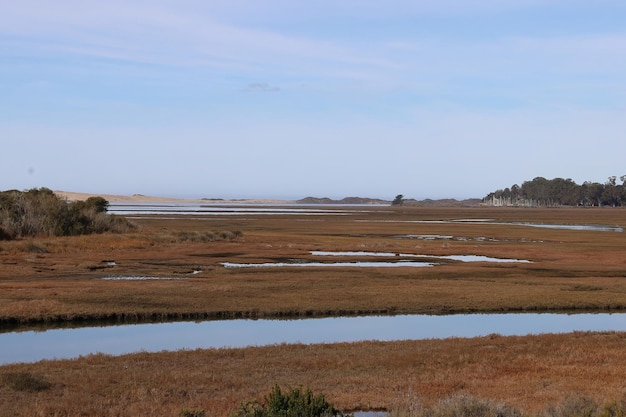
299, 263
595, 228
402, 262
579, 227
461, 258
141, 278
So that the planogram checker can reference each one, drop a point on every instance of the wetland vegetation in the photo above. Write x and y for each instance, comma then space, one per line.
46, 279
40, 212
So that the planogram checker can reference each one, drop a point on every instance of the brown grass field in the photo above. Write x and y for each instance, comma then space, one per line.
59, 279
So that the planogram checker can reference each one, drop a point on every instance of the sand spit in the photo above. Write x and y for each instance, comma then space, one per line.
140, 198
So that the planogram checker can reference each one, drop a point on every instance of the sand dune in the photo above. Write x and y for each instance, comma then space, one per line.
140, 198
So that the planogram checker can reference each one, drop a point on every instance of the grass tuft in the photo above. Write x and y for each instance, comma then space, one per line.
467, 406
204, 237
34, 247
185, 412
26, 381
456, 406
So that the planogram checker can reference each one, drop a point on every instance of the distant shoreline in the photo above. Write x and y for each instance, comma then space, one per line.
140, 198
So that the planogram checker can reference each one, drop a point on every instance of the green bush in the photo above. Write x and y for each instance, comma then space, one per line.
40, 212
295, 403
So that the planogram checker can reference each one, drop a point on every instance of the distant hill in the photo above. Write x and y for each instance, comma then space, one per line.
345, 200
140, 198
447, 202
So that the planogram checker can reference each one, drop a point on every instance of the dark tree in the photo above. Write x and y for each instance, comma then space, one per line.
561, 192
398, 200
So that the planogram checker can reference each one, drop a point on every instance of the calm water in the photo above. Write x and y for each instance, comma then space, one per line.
217, 209
30, 346
229, 209
372, 264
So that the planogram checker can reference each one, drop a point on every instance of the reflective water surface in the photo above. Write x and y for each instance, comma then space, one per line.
30, 346
359, 264
372, 263
214, 208
461, 258
221, 209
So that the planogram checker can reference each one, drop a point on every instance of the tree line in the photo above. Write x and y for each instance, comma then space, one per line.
541, 192
40, 212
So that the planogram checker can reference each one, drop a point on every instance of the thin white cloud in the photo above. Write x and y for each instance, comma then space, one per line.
262, 87
198, 35
173, 36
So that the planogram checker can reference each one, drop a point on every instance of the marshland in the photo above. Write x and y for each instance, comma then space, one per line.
330, 261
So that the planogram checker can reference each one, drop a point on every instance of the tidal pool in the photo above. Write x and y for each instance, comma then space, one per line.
300, 263
141, 278
462, 258
590, 227
580, 227
371, 264
31, 346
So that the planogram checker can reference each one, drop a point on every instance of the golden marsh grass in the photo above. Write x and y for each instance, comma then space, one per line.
61, 279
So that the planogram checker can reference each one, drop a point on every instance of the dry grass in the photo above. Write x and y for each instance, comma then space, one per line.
528, 373
570, 270
59, 279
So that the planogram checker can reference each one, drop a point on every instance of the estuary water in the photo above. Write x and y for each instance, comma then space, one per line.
214, 209
31, 346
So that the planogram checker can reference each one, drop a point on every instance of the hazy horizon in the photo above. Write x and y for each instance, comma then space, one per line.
288, 99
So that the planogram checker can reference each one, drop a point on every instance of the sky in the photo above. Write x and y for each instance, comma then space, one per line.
326, 98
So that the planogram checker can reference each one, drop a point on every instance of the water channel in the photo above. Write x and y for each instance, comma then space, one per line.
221, 209
32, 346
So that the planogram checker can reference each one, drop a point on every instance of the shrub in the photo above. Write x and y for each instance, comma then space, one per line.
25, 381
295, 403
226, 235
40, 212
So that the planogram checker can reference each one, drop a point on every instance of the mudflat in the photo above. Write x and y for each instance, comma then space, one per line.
174, 267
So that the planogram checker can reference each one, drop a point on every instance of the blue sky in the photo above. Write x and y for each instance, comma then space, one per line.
287, 99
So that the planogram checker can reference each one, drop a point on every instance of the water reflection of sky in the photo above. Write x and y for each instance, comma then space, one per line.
221, 209
330, 264
461, 258
229, 209
32, 346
